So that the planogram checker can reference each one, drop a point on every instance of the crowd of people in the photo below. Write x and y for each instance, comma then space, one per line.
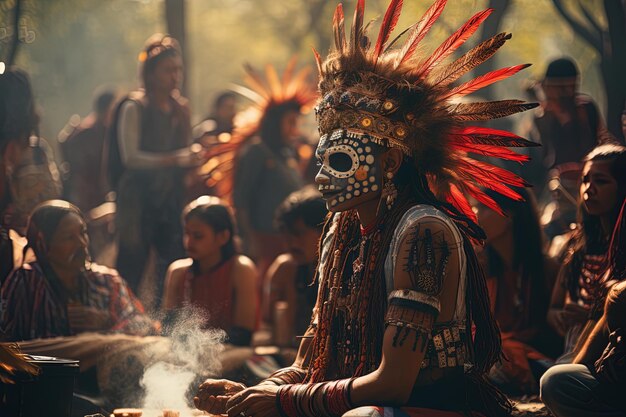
410, 277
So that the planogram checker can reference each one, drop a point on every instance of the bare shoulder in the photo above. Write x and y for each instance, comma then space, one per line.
177, 269
180, 265
244, 269
283, 266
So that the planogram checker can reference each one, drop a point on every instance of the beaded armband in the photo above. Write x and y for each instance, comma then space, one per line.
408, 311
328, 399
446, 348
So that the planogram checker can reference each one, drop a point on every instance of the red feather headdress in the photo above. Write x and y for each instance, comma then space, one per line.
403, 100
265, 91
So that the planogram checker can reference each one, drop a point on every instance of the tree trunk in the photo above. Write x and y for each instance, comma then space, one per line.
614, 65
175, 20
15, 41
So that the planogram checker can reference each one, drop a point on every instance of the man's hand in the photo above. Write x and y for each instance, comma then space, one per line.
257, 401
85, 319
214, 393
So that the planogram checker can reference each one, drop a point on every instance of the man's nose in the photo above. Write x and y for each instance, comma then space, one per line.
322, 178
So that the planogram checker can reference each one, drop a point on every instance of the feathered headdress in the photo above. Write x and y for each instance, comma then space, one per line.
266, 91
406, 101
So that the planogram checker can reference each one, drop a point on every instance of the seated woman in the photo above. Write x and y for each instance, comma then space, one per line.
580, 290
214, 278
594, 384
62, 293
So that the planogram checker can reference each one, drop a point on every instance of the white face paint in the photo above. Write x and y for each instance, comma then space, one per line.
348, 175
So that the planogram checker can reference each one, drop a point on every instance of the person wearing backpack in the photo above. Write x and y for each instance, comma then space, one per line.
150, 149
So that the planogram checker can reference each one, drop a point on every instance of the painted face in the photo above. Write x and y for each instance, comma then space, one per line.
349, 174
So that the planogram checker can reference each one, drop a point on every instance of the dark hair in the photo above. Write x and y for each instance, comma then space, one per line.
617, 248
305, 204
213, 212
221, 98
486, 348
103, 101
615, 153
528, 257
18, 116
157, 48
270, 125
562, 68
43, 222
590, 237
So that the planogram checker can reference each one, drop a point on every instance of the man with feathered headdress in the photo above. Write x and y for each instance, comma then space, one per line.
402, 322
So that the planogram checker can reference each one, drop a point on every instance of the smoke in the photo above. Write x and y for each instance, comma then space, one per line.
194, 353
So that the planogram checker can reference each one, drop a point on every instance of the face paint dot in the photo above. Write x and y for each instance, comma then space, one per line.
333, 203
374, 187
357, 185
365, 183
366, 140
341, 199
369, 159
359, 150
349, 188
372, 179
351, 180
357, 193
365, 190
361, 158
348, 196
368, 149
361, 173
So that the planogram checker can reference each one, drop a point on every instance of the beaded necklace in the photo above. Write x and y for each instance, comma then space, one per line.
348, 341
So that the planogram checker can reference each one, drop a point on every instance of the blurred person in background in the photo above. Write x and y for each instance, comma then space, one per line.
28, 174
568, 124
594, 384
215, 278
220, 120
82, 149
148, 157
580, 290
258, 167
290, 279
520, 280
62, 293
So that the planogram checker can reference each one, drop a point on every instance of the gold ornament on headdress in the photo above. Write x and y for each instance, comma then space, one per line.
403, 100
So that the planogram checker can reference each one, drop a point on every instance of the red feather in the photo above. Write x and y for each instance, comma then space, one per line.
490, 176
357, 25
386, 27
483, 198
453, 42
487, 136
458, 200
484, 80
490, 150
339, 29
318, 60
420, 30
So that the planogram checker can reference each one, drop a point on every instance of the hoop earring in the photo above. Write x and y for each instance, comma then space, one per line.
390, 192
